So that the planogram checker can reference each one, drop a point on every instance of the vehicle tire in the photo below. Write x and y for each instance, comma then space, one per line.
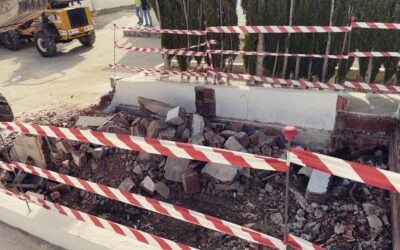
88, 40
11, 40
45, 45
6, 114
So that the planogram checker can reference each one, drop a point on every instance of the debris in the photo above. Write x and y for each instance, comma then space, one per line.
233, 144
213, 139
144, 157
126, 185
269, 188
197, 125
175, 167
318, 186
198, 140
91, 121
339, 228
205, 101
148, 185
154, 128
190, 180
223, 173
276, 218
153, 107
30, 147
305, 171
137, 169
236, 126
299, 198
243, 139
370, 209
228, 133
162, 190
79, 159
374, 222
168, 134
118, 130
64, 146
62, 188
98, 153
54, 196
176, 116
225, 187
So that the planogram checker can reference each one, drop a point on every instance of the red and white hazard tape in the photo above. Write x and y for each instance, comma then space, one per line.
166, 31
161, 72
372, 25
374, 54
350, 170
255, 53
129, 232
153, 205
176, 52
300, 244
279, 81
278, 29
372, 87
152, 146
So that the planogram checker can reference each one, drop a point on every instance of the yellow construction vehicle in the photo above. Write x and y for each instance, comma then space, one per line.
63, 21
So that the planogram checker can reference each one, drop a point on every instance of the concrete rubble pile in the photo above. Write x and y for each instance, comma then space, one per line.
335, 213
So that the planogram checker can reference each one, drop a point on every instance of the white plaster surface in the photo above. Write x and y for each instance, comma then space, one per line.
304, 108
61, 230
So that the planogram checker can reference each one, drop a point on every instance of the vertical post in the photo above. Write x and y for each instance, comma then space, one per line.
115, 26
289, 132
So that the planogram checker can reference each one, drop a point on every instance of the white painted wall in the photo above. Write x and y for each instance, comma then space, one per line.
106, 4
61, 230
304, 108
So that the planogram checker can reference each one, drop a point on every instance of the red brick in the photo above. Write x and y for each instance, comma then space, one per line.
191, 183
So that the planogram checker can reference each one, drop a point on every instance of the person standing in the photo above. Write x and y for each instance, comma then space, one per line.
139, 12
146, 13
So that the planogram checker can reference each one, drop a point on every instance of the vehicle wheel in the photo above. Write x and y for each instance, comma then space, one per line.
6, 114
46, 46
11, 40
88, 40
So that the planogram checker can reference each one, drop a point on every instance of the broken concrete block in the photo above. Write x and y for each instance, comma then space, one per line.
243, 139
374, 222
79, 159
197, 125
233, 144
213, 139
318, 186
168, 134
64, 146
153, 107
154, 128
148, 185
228, 133
223, 173
176, 116
30, 147
91, 121
276, 218
162, 190
126, 185
175, 167
191, 183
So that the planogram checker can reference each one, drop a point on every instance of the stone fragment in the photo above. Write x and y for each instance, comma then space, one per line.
162, 190
64, 146
228, 133
197, 125
236, 126
339, 228
176, 116
317, 187
126, 185
168, 134
299, 198
191, 182
269, 188
255, 138
154, 128
137, 169
370, 209
153, 107
175, 167
374, 222
148, 185
213, 139
65, 164
91, 121
243, 139
276, 218
79, 159
233, 144
223, 173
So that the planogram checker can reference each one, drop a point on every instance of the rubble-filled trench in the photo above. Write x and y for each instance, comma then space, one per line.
349, 216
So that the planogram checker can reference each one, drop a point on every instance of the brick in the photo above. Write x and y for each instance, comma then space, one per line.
220, 172
175, 167
236, 126
148, 185
162, 190
126, 185
255, 138
65, 146
176, 116
191, 183
213, 139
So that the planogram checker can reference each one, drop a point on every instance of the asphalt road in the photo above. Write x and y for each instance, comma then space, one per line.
77, 77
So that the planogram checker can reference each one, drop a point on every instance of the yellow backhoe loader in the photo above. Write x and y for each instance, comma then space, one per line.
62, 21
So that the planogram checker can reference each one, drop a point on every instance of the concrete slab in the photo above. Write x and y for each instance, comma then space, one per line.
376, 104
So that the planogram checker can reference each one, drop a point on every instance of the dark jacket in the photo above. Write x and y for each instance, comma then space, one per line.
145, 5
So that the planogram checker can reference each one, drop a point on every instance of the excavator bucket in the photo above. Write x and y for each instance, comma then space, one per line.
16, 12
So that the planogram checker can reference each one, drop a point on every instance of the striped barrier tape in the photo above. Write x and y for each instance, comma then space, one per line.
176, 52
278, 29
152, 146
374, 54
156, 71
255, 53
164, 31
153, 205
372, 25
301, 244
372, 87
350, 170
129, 232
